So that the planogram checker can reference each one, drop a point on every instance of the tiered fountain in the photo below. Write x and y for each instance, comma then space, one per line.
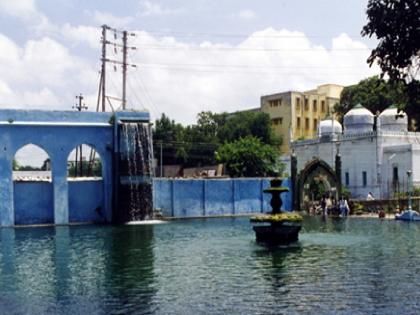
277, 228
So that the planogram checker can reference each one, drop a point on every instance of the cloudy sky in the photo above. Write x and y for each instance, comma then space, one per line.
190, 56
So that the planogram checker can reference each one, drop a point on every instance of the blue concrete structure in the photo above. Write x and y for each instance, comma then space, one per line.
61, 201
183, 198
57, 133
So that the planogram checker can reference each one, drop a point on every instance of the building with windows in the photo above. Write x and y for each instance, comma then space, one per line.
378, 154
296, 115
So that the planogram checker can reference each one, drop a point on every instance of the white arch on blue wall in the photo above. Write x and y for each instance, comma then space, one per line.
39, 194
57, 142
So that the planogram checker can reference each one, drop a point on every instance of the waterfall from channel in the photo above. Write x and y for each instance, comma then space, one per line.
136, 172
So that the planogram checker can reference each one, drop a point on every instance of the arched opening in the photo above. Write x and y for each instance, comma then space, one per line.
85, 184
317, 179
32, 186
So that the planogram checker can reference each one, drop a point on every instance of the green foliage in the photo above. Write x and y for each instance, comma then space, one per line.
248, 157
374, 93
357, 208
279, 217
242, 124
15, 165
195, 145
88, 169
345, 192
396, 24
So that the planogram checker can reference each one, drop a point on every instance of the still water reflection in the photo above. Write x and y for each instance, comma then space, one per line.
349, 266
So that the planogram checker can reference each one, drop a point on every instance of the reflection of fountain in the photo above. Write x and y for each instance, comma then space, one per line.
135, 173
279, 227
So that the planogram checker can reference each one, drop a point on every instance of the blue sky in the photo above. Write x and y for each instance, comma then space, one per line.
191, 55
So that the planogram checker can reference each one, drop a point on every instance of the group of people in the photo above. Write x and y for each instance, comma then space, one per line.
327, 206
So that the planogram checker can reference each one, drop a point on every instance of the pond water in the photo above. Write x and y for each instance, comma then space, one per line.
213, 266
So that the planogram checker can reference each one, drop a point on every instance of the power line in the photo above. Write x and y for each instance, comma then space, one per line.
253, 49
253, 35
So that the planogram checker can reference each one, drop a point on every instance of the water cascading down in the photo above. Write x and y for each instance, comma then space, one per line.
135, 172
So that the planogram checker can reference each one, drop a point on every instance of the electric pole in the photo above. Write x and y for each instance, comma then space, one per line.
124, 70
79, 106
103, 67
102, 96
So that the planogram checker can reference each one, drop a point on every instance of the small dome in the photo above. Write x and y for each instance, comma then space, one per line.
358, 120
392, 120
329, 126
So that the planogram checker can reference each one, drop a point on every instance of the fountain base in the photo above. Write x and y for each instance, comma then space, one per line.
277, 234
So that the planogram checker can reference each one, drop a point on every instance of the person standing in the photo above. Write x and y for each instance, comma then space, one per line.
344, 207
324, 206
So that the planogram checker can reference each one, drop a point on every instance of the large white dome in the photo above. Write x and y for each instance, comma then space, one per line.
358, 120
329, 126
392, 120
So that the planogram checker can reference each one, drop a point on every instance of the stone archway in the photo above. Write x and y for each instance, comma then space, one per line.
315, 179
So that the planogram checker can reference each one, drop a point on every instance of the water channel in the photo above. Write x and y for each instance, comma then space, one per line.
213, 266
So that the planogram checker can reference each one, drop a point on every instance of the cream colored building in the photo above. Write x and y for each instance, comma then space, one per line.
296, 115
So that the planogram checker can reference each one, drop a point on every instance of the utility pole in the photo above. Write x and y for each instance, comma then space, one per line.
102, 96
79, 106
103, 67
124, 70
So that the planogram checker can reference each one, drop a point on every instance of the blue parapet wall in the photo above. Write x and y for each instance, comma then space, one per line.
183, 198
58, 133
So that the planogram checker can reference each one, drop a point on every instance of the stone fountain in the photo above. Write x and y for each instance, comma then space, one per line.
277, 228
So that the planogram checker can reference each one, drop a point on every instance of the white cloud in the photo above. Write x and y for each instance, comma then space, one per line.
247, 14
183, 79
111, 20
26, 11
20, 8
87, 34
147, 8
42, 74
176, 77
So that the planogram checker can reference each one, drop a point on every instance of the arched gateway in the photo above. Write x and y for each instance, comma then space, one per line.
317, 179
58, 133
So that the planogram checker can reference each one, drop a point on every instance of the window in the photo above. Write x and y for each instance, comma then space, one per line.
347, 179
306, 104
298, 122
277, 121
395, 174
307, 123
279, 102
364, 178
298, 103
314, 106
315, 124
323, 106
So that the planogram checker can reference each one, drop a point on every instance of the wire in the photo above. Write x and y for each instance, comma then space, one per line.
197, 48
191, 34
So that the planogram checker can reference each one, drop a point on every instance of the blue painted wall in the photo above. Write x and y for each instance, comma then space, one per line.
33, 203
86, 201
57, 133
183, 198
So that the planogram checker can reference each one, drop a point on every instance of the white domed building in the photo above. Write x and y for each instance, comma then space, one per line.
358, 120
392, 120
329, 127
376, 152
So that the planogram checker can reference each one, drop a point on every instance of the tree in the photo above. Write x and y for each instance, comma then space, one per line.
248, 157
243, 124
374, 93
167, 135
396, 24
